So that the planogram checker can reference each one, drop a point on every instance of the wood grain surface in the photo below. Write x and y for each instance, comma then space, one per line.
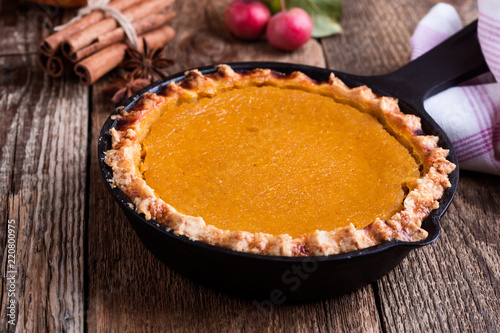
42, 186
80, 266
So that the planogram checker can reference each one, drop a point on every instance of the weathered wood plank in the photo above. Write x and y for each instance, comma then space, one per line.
43, 135
202, 39
453, 285
130, 290
42, 186
24, 23
376, 38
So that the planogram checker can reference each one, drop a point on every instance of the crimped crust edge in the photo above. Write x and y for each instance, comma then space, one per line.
133, 126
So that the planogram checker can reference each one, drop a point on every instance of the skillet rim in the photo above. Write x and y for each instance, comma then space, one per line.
430, 223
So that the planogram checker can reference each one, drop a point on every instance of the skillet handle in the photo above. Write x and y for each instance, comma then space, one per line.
455, 60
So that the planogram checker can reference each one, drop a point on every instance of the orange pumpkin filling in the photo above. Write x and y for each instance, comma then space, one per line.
278, 161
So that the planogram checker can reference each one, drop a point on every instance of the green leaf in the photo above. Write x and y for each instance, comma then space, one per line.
325, 14
274, 5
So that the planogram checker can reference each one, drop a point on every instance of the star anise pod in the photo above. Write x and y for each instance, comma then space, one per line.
149, 64
121, 88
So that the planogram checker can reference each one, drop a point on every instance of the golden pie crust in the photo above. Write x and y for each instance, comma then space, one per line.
126, 157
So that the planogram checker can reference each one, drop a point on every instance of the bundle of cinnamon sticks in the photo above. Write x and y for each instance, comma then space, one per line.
95, 44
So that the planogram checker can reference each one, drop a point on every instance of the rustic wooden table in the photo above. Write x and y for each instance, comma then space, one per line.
80, 266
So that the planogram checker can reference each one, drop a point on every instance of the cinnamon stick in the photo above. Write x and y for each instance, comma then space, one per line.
92, 68
53, 65
42, 61
141, 26
52, 43
85, 37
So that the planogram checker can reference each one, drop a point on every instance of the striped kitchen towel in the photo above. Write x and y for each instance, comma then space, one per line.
469, 113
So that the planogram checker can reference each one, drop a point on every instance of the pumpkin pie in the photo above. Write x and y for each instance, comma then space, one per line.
275, 164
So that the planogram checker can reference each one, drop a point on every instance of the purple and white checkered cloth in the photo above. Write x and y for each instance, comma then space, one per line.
469, 113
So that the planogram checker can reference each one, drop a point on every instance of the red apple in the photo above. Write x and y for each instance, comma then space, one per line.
247, 19
289, 29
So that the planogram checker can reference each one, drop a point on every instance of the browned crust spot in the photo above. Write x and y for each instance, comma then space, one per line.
134, 125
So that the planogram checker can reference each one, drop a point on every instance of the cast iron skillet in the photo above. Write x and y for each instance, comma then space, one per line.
274, 280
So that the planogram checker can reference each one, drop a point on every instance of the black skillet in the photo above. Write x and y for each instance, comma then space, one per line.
274, 280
